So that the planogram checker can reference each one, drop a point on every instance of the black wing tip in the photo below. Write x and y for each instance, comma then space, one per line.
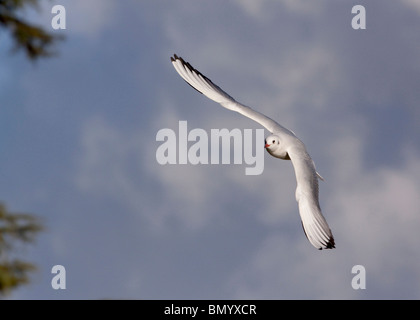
175, 58
191, 68
330, 244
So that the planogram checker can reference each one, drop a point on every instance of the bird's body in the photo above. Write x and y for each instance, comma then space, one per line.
282, 144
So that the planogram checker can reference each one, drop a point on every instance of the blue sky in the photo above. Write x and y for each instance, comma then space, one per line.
78, 148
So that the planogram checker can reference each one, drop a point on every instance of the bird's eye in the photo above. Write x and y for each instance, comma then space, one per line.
274, 141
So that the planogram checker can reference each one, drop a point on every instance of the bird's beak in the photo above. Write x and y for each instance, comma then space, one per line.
267, 145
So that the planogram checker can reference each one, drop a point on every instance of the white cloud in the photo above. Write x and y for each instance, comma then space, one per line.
281, 270
109, 166
414, 4
264, 9
90, 17
122, 166
380, 205
297, 78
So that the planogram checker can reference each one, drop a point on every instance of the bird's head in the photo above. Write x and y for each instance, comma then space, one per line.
274, 147
272, 142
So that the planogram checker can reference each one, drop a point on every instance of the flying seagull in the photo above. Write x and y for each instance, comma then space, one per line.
283, 144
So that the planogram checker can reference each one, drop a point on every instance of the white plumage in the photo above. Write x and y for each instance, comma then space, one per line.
282, 144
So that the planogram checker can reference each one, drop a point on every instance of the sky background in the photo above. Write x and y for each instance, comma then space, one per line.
78, 149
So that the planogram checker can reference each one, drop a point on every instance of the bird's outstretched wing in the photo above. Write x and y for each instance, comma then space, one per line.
314, 224
205, 86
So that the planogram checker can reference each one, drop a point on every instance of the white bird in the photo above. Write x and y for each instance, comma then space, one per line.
282, 144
